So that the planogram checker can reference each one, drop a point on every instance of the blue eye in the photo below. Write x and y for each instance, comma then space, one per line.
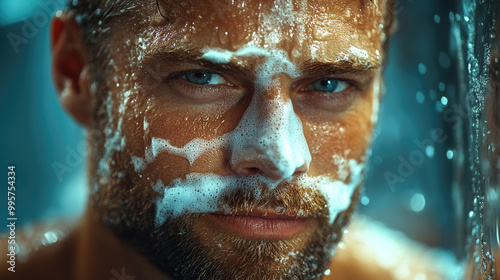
204, 78
329, 85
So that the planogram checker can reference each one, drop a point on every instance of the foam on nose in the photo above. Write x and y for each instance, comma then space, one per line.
270, 132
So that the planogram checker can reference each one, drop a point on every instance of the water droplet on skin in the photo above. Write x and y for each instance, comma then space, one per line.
223, 37
348, 13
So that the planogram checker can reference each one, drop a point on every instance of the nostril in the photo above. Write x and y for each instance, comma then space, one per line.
301, 170
252, 170
298, 173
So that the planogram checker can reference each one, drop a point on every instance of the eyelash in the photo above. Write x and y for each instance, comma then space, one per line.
201, 92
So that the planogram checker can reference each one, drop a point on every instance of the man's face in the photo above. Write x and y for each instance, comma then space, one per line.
236, 133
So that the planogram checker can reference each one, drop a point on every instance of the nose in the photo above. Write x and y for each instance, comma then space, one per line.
269, 140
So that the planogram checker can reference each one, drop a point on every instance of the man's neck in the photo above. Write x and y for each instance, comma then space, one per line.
102, 255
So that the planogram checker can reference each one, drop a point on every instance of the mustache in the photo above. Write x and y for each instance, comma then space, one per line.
288, 198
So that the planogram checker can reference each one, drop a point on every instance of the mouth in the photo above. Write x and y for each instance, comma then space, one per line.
260, 224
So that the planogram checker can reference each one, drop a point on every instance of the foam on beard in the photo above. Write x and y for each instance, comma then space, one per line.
201, 192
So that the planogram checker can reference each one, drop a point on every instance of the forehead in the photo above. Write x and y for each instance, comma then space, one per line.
311, 28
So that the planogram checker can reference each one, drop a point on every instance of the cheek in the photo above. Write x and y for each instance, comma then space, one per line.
155, 120
346, 137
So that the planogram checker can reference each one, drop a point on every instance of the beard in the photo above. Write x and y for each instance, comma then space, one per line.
124, 201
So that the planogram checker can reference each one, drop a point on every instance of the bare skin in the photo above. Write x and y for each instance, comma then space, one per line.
152, 93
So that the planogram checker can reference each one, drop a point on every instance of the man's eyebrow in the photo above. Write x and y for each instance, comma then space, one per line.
345, 66
193, 57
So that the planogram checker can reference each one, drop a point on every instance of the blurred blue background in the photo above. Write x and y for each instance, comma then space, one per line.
37, 136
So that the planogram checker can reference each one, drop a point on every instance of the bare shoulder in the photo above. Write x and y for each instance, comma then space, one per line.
44, 249
372, 251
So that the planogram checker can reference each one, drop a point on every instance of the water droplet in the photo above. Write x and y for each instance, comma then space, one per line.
442, 86
365, 200
49, 237
420, 97
327, 272
471, 214
444, 100
449, 154
437, 19
417, 202
223, 37
422, 69
429, 151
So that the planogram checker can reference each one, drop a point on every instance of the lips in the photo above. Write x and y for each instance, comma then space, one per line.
260, 224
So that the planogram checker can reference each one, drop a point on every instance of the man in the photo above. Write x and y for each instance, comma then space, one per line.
227, 139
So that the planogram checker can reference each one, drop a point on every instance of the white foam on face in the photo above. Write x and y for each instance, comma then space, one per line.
342, 164
359, 53
200, 192
191, 151
114, 140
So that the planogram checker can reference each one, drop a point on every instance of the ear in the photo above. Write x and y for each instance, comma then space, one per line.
69, 68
